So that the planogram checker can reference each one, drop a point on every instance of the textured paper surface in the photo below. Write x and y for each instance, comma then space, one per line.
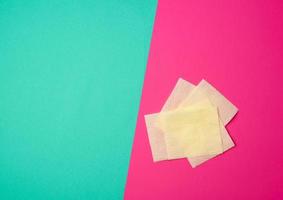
202, 91
180, 92
226, 109
227, 143
156, 138
155, 135
191, 131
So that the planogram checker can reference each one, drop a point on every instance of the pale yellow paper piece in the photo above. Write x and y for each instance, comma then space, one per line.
181, 91
227, 143
156, 138
205, 90
191, 131
226, 109
155, 135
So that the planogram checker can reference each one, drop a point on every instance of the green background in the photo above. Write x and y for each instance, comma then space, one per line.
71, 75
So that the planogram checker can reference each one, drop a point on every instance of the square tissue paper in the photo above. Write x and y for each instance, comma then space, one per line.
191, 124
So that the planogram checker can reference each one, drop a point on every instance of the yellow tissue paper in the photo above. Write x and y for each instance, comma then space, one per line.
156, 138
191, 131
155, 135
226, 109
227, 143
180, 92
202, 91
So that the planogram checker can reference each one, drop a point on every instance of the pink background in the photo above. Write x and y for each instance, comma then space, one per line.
238, 47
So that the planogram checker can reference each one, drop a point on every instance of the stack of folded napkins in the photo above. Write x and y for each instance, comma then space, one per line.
191, 124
